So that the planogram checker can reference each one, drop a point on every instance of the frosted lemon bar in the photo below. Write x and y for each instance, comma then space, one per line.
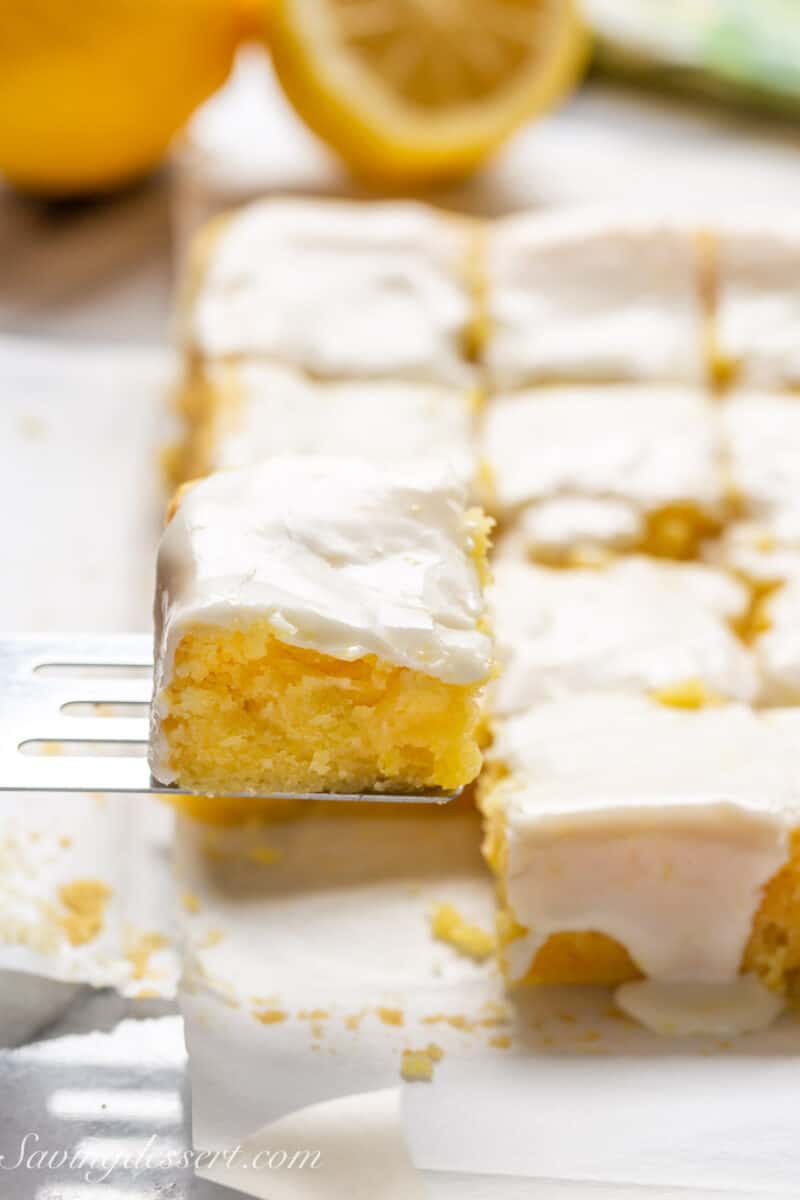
761, 434
638, 625
588, 296
263, 409
757, 323
588, 468
776, 638
635, 842
320, 627
342, 290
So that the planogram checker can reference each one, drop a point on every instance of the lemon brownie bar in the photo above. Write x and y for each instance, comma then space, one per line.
340, 289
320, 627
757, 320
633, 842
261, 409
638, 625
585, 296
586, 469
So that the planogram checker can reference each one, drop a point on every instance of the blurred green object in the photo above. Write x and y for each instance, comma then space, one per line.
736, 50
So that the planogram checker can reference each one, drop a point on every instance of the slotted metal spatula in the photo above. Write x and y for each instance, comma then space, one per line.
74, 718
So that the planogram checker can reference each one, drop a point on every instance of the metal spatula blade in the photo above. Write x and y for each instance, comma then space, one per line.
74, 718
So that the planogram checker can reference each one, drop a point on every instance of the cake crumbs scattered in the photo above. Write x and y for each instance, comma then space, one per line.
434, 1051
270, 1016
138, 953
213, 937
391, 1016
85, 901
448, 925
190, 902
417, 1066
317, 1030
354, 1020
313, 1014
454, 1020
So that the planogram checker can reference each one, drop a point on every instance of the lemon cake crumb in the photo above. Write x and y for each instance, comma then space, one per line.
190, 902
417, 1066
270, 1016
448, 925
391, 1016
85, 901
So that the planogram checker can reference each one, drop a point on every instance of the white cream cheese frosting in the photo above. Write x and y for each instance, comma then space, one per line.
591, 296
271, 409
760, 554
777, 649
638, 625
338, 555
654, 826
761, 433
641, 446
554, 529
758, 300
340, 289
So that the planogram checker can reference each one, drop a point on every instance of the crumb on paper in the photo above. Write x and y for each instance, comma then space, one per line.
317, 1030
313, 1014
270, 1016
416, 1066
391, 1016
65, 841
190, 902
265, 856
497, 1013
500, 1041
454, 1020
354, 1020
147, 993
434, 1051
85, 901
213, 937
138, 953
448, 925
32, 427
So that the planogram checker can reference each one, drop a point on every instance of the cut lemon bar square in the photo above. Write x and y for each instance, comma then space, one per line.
579, 470
632, 842
340, 289
257, 410
761, 434
320, 628
638, 625
757, 320
581, 296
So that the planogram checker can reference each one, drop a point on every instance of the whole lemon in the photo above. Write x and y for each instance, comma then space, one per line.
92, 93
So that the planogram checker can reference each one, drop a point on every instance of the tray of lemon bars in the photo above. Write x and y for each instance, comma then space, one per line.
506, 509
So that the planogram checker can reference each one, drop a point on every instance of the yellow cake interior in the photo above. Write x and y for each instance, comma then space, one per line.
676, 531
247, 712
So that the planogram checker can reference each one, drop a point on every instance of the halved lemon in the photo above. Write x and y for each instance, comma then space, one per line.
414, 90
